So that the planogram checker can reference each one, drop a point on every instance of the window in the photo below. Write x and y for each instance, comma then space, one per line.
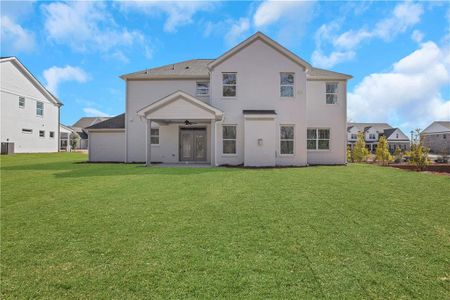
21, 102
202, 89
396, 135
229, 139
52, 134
229, 84
331, 92
371, 136
287, 84
154, 136
318, 139
41, 133
354, 136
444, 136
39, 108
287, 139
25, 130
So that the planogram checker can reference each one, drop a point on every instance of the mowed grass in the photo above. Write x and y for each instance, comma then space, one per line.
102, 231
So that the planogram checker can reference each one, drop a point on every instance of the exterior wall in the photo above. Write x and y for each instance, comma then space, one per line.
328, 116
437, 143
141, 93
107, 146
14, 118
256, 155
258, 68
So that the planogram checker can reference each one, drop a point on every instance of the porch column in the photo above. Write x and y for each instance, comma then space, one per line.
213, 142
148, 148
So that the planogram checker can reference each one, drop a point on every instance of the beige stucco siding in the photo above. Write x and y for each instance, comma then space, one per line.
332, 116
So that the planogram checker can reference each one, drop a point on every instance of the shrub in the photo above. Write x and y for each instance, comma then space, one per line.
382, 153
360, 151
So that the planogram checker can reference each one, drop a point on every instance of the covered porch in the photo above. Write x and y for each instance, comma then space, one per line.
180, 129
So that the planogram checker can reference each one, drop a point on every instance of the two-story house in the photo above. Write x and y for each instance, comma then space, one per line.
436, 137
372, 133
29, 112
258, 104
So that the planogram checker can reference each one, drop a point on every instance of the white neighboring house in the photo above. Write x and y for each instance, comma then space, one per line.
64, 137
436, 137
372, 133
256, 105
29, 112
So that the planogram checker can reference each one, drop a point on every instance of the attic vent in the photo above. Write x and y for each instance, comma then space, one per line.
187, 67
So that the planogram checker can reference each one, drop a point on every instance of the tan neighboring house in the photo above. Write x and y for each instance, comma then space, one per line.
29, 112
372, 133
436, 137
256, 105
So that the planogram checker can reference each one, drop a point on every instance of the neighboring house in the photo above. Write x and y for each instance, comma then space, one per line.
64, 137
436, 137
29, 112
258, 104
80, 126
372, 133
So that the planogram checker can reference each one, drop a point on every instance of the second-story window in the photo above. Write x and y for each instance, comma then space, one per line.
371, 136
21, 102
354, 136
229, 81
39, 108
331, 92
202, 89
287, 84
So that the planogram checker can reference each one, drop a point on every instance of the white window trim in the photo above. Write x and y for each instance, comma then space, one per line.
317, 140
24, 101
235, 139
42, 137
337, 92
279, 142
37, 115
209, 87
221, 93
158, 136
293, 86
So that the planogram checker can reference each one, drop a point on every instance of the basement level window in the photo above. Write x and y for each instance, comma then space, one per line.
26, 130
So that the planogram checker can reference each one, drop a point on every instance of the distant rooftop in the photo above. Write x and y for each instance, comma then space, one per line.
189, 68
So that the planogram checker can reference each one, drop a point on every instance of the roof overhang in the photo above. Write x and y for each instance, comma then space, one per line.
264, 38
180, 106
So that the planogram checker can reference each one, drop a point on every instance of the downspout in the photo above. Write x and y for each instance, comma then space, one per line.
126, 120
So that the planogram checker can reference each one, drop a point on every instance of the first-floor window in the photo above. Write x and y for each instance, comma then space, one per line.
26, 130
154, 136
318, 139
41, 133
229, 139
21, 102
287, 139
52, 134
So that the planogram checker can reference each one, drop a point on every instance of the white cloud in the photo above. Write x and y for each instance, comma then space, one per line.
55, 75
85, 26
238, 28
404, 16
15, 37
417, 36
178, 13
93, 112
410, 94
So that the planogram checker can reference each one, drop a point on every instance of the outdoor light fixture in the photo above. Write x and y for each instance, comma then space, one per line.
260, 142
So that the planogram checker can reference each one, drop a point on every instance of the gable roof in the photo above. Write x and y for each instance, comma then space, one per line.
380, 127
66, 127
175, 96
264, 38
320, 74
194, 68
16, 62
437, 127
88, 121
388, 132
117, 122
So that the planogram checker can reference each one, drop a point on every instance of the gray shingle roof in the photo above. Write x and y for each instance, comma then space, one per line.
387, 132
444, 123
117, 122
189, 68
380, 127
88, 121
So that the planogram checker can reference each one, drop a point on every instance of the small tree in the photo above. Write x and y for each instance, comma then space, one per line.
349, 154
419, 154
73, 140
360, 151
398, 154
382, 153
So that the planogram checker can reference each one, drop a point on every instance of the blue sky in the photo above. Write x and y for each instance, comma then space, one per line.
398, 52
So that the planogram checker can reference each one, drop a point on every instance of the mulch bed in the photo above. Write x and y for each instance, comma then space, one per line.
435, 168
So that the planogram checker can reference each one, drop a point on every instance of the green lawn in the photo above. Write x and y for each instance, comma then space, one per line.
101, 231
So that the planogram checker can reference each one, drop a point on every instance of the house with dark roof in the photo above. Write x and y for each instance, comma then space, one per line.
436, 137
80, 129
256, 105
29, 112
372, 133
